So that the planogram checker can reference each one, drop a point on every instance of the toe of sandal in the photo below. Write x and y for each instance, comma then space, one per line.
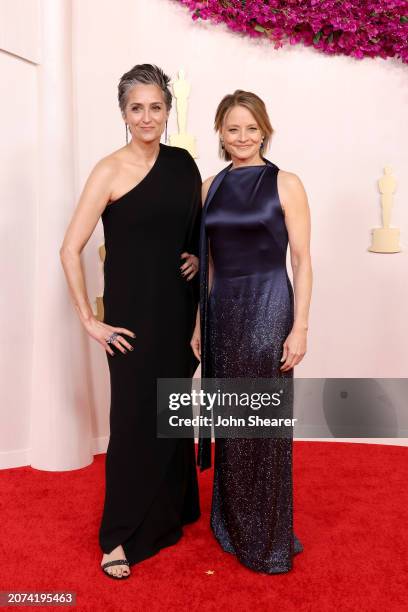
117, 562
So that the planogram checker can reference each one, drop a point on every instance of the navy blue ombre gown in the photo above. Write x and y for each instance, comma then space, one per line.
245, 321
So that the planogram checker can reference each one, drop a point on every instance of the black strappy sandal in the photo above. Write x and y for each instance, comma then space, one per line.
117, 562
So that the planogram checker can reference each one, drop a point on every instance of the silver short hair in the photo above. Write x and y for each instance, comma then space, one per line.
144, 74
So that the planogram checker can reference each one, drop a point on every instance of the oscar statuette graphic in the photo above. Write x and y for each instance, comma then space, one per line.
181, 90
385, 239
99, 299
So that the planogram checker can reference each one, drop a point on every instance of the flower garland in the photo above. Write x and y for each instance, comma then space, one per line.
358, 28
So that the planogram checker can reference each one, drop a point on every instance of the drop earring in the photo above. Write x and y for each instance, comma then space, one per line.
262, 144
127, 135
165, 133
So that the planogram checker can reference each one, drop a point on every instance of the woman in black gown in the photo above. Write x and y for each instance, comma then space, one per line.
149, 198
251, 327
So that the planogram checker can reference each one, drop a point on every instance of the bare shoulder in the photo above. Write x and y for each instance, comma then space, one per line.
105, 171
111, 163
208, 181
289, 180
98, 186
205, 187
291, 190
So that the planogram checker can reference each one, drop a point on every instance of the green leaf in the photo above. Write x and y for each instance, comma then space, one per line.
330, 39
317, 36
259, 28
404, 19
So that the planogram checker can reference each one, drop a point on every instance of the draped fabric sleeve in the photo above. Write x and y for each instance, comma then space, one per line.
192, 242
204, 441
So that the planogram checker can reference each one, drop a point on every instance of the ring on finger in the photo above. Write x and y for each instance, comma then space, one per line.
112, 338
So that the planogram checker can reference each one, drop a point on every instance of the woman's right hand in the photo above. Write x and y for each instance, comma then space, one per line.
196, 342
101, 332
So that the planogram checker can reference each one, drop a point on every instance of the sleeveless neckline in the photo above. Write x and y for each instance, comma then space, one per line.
251, 166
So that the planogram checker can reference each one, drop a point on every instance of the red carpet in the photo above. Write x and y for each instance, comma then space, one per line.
351, 515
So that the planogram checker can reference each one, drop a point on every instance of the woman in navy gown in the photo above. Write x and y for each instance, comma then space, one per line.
251, 325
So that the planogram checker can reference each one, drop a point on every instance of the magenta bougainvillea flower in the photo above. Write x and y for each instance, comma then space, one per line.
359, 28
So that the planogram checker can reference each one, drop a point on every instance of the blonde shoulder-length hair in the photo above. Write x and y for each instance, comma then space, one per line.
254, 104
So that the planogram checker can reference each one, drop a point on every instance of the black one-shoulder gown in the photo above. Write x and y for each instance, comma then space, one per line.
151, 483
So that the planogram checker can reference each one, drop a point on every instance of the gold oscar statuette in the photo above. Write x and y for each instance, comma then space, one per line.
181, 90
385, 239
99, 300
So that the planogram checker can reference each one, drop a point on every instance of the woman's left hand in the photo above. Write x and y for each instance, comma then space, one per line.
294, 349
190, 267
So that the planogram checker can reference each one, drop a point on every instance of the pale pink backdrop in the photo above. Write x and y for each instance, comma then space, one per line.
338, 121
